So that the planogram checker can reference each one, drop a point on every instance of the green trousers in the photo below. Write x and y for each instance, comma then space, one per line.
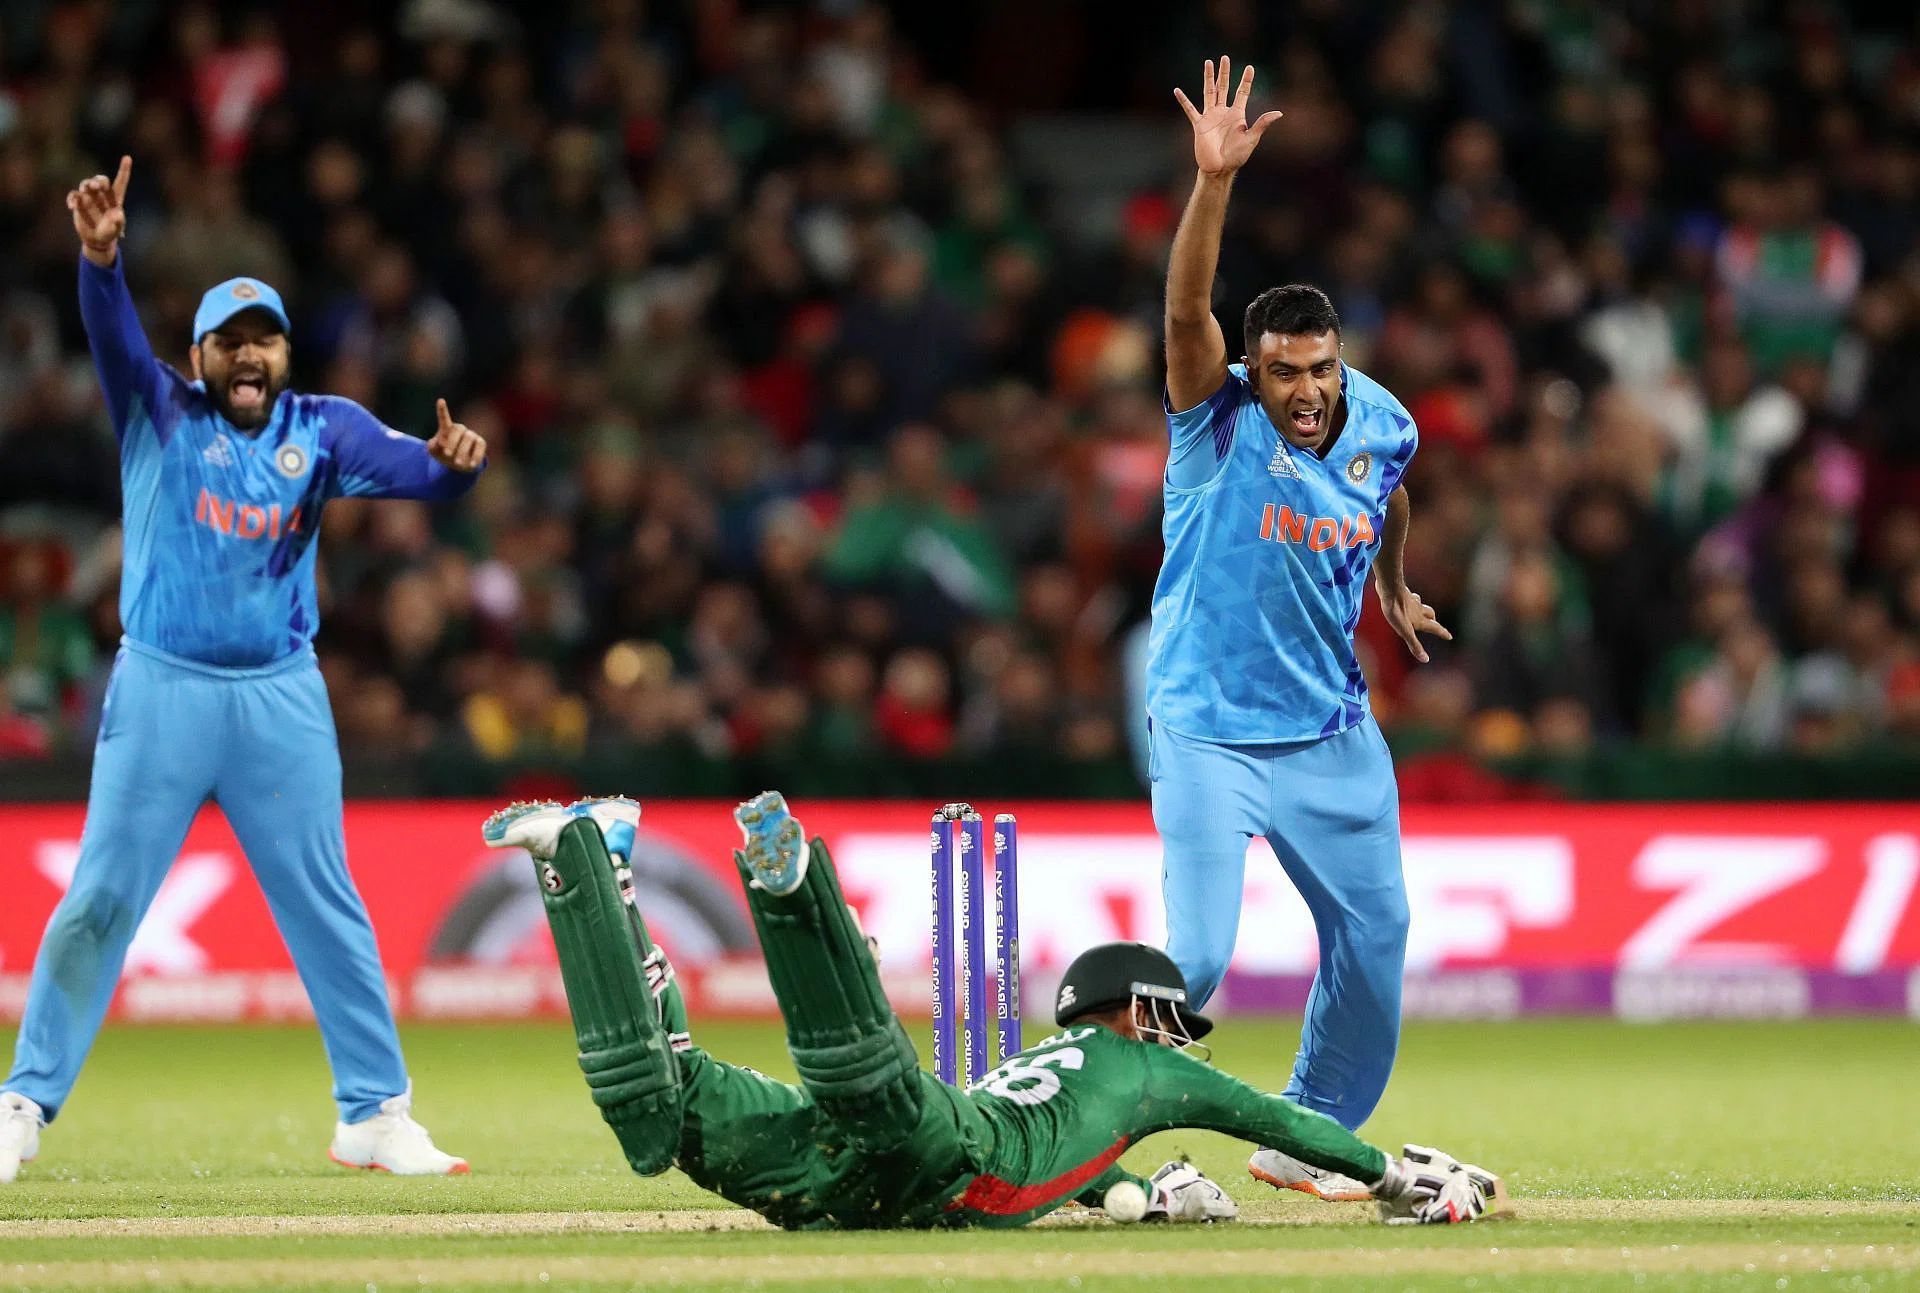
866, 1140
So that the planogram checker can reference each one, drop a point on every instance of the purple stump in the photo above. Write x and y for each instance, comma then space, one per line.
973, 940
946, 1002
1006, 933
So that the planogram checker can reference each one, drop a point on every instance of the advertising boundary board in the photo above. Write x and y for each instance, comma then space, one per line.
1643, 911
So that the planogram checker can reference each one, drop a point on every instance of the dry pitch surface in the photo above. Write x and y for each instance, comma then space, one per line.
1561, 1243
1683, 1157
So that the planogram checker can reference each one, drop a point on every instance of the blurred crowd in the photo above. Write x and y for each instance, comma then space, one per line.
817, 345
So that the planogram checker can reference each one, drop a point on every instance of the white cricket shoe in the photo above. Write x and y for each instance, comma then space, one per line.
391, 1141
535, 825
1285, 1172
20, 1123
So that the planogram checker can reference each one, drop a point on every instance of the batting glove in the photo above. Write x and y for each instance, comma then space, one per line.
1428, 1187
1181, 1192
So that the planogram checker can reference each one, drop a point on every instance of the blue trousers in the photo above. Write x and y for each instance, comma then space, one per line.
1331, 811
175, 733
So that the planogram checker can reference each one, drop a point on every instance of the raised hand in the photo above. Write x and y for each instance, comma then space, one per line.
100, 213
1222, 139
455, 447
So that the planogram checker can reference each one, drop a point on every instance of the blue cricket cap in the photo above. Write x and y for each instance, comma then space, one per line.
236, 296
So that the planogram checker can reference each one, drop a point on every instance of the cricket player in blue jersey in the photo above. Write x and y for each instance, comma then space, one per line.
1283, 488
216, 693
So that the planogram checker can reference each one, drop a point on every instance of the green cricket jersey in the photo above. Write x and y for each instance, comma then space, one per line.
1062, 1112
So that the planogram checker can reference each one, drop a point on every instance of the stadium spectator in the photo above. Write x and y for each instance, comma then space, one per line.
823, 395
45, 649
21, 735
906, 534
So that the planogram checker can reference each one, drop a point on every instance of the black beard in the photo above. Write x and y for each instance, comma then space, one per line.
249, 419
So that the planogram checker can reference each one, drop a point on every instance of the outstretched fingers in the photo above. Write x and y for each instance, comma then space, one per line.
1246, 88
1193, 113
120, 180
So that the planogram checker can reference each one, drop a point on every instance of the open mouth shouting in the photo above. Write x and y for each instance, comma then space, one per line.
1308, 420
247, 390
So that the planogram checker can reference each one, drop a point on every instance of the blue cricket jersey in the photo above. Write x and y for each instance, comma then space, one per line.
220, 524
1267, 553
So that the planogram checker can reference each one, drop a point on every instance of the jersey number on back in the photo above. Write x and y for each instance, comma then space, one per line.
1028, 1079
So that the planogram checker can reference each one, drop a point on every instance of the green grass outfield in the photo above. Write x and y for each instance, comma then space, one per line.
1750, 1156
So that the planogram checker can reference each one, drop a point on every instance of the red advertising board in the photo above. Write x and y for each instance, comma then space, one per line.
1636, 890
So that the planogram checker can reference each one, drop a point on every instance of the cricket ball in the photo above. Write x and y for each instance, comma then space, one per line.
1125, 1201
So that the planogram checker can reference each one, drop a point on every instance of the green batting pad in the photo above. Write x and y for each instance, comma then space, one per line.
670, 1006
852, 1055
624, 1052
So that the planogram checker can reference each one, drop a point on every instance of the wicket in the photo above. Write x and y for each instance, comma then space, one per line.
960, 965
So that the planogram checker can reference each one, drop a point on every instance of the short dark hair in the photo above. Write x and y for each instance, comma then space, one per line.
1296, 310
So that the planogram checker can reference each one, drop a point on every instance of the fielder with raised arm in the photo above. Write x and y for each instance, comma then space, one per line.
216, 693
1283, 488
869, 1140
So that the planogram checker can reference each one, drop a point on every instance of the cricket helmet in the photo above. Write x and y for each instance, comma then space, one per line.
1112, 974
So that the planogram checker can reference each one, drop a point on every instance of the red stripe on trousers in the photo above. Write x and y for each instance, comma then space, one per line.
995, 1197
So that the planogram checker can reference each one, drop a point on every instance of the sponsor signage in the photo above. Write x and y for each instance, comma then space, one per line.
1639, 910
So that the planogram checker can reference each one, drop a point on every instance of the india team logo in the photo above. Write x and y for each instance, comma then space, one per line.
1359, 466
291, 459
245, 291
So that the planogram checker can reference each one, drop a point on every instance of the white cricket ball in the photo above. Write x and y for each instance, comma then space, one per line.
1125, 1201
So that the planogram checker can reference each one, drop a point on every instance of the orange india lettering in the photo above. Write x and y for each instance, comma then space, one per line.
247, 520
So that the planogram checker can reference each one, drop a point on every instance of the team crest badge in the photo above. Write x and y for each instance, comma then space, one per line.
1359, 466
245, 291
291, 459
